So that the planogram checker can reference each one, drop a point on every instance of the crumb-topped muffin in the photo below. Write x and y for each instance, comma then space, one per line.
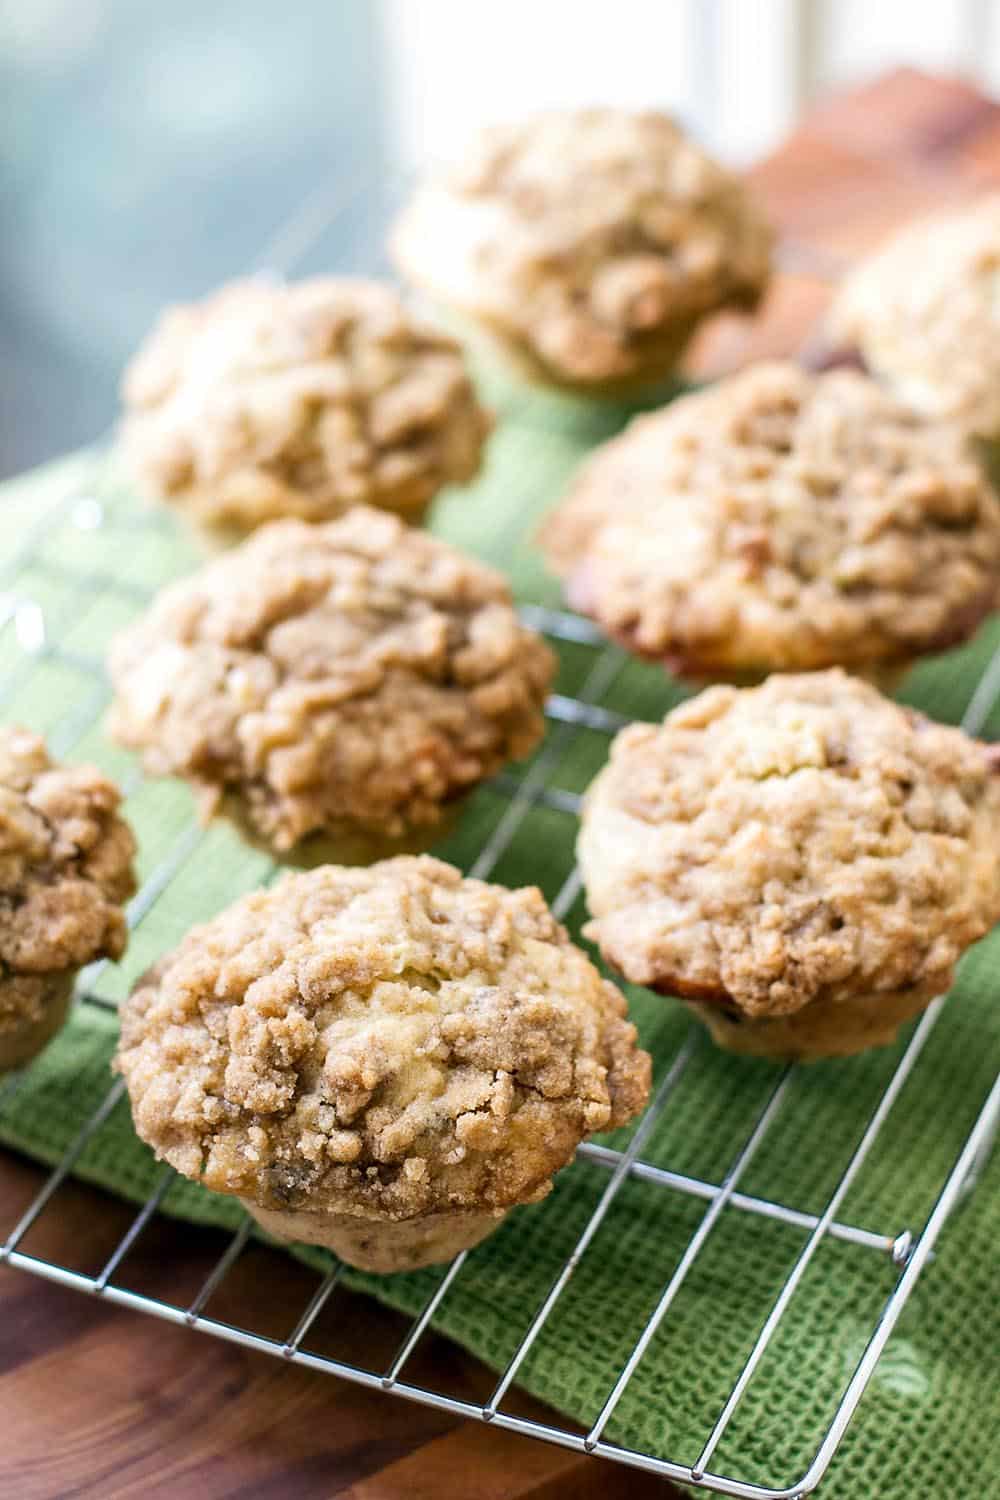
269, 400
65, 872
382, 1061
357, 675
923, 312
589, 243
781, 521
803, 862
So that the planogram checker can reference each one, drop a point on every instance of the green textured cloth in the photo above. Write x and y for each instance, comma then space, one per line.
932, 1413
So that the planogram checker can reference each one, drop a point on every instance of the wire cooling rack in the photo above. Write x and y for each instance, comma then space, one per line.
41, 630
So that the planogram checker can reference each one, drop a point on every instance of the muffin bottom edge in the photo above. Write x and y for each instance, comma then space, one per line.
381, 1245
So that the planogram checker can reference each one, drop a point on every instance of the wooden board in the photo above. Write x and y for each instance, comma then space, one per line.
99, 1402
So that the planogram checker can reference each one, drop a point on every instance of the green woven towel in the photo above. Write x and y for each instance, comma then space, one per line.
932, 1414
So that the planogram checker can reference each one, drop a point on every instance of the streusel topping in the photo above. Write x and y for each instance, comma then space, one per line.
358, 673
390, 1041
924, 313
65, 872
781, 520
804, 840
270, 400
589, 236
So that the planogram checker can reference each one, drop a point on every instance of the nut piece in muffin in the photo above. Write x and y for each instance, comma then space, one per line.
804, 863
587, 244
923, 312
351, 677
270, 400
781, 521
65, 871
381, 1061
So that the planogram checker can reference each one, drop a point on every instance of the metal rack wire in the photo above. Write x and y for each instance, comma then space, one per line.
41, 637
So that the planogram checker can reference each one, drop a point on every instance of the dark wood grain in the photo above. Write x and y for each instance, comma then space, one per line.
98, 1402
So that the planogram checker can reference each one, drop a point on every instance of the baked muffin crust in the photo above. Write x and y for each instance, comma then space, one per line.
65, 871
924, 314
383, 1043
792, 847
781, 520
592, 241
357, 674
269, 400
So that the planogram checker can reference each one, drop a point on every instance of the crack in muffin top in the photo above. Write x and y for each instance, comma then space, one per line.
352, 674
781, 520
270, 400
389, 1042
806, 840
589, 236
923, 311
65, 872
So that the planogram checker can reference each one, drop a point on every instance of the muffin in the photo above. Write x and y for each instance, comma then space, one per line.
380, 1061
346, 679
781, 521
802, 863
587, 245
65, 872
270, 400
923, 313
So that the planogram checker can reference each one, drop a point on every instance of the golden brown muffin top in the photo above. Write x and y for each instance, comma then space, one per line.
781, 520
269, 400
353, 674
65, 871
924, 314
389, 1042
805, 840
588, 236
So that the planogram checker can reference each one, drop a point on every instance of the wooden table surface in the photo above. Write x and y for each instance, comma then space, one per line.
100, 1402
